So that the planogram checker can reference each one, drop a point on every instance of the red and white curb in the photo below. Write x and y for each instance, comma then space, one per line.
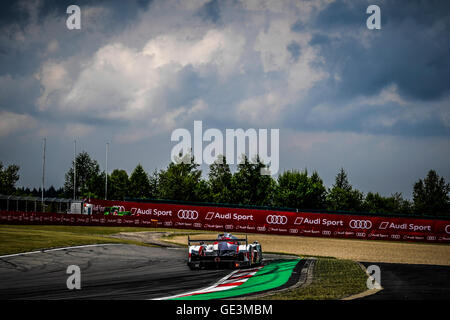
233, 280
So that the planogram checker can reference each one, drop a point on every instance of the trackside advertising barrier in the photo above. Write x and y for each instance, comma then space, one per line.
250, 221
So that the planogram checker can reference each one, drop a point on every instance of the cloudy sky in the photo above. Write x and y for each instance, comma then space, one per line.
376, 102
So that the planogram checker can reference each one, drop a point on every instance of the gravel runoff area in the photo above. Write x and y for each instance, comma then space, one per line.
357, 250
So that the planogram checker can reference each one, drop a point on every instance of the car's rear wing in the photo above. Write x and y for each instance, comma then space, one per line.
216, 240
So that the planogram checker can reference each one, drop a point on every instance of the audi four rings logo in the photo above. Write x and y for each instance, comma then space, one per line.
273, 219
188, 214
360, 224
447, 229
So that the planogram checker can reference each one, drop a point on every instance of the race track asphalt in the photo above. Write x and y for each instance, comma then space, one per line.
136, 272
107, 272
412, 282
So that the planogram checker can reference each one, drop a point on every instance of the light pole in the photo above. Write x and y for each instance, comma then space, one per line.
43, 173
74, 168
106, 172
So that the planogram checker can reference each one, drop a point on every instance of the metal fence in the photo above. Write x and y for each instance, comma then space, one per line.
35, 204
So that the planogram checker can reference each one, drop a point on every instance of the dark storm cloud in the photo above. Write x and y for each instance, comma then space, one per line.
410, 50
339, 14
22, 57
124, 11
211, 11
18, 95
294, 49
11, 12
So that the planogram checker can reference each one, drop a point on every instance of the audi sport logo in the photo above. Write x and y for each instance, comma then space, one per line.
274, 219
187, 214
360, 224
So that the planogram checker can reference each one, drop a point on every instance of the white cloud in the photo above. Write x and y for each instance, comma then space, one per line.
302, 76
11, 122
294, 76
272, 45
53, 46
216, 48
125, 83
53, 77
388, 94
77, 130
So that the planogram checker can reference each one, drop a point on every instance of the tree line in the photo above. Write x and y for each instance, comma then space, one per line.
182, 180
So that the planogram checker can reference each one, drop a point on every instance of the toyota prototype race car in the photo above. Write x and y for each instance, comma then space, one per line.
225, 251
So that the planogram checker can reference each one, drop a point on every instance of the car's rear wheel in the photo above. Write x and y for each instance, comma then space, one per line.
250, 256
192, 266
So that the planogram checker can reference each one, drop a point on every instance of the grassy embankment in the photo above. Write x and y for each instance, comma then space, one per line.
24, 238
333, 279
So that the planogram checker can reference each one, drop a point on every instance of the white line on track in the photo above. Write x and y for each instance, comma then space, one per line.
59, 249
228, 279
205, 289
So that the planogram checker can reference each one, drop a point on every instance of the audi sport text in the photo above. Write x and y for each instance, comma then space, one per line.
319, 221
404, 226
229, 216
154, 212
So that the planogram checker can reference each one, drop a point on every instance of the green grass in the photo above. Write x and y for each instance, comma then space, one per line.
23, 238
333, 279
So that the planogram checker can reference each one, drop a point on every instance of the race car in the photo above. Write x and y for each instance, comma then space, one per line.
115, 211
224, 251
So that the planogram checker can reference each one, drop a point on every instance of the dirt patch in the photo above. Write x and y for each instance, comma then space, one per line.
148, 237
358, 250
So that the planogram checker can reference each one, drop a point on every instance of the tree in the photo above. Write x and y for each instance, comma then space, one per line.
96, 186
119, 185
23, 192
182, 180
296, 190
89, 181
341, 181
51, 192
8, 178
139, 183
375, 203
154, 184
431, 195
220, 178
249, 186
342, 196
